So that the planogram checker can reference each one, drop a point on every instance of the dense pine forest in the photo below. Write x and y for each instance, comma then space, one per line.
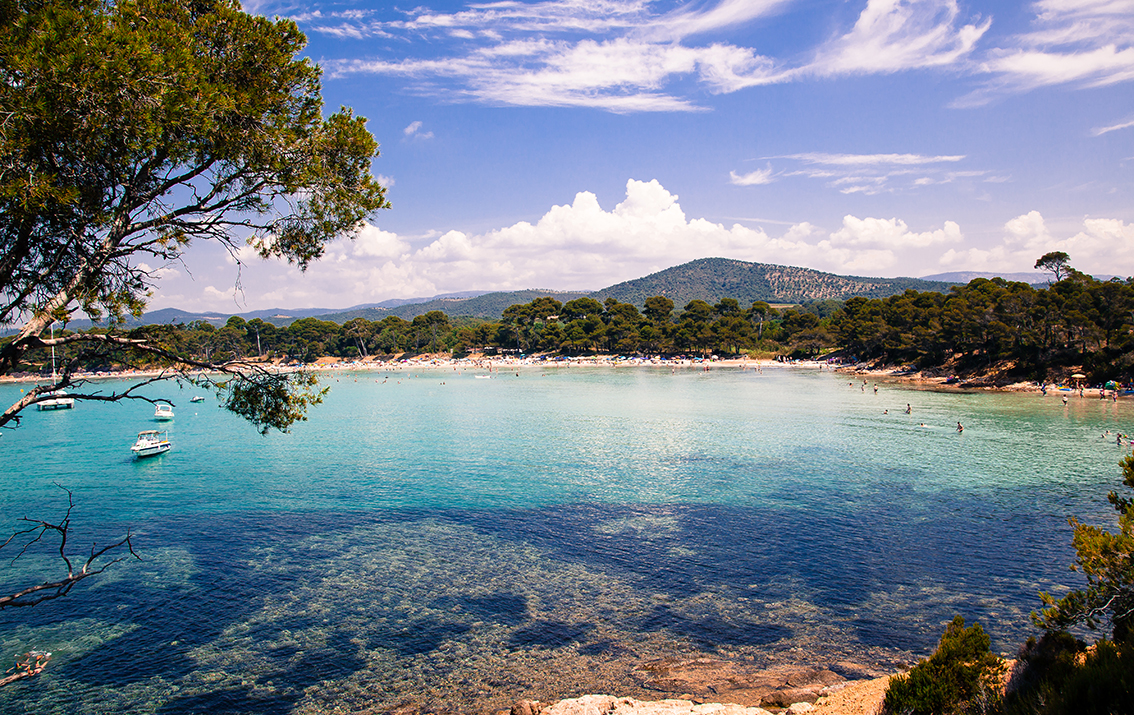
987, 325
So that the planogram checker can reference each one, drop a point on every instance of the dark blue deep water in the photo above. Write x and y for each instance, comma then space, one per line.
446, 542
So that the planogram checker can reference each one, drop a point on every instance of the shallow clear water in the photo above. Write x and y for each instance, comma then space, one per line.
437, 540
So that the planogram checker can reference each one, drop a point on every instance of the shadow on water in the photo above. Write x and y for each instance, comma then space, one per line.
837, 555
712, 631
505, 608
419, 637
549, 634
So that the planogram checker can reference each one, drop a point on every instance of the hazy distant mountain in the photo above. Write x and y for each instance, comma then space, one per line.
484, 305
710, 279
1034, 277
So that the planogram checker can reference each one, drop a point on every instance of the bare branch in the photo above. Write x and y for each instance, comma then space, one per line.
51, 590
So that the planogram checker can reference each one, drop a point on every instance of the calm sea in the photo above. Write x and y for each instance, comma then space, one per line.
435, 540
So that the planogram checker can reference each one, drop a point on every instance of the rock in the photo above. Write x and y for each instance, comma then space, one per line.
741, 683
527, 707
788, 696
800, 708
609, 705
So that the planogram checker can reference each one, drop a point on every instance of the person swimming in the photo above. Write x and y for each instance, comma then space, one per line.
960, 427
909, 409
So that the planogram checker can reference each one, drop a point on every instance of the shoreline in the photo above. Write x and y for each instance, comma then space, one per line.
917, 379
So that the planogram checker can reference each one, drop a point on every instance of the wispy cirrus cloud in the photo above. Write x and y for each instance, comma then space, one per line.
623, 56
896, 35
1099, 131
864, 173
1079, 43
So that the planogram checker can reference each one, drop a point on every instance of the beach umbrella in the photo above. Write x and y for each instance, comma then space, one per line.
1078, 376
1111, 385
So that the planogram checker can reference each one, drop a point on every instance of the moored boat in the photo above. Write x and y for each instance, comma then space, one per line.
151, 442
58, 401
163, 411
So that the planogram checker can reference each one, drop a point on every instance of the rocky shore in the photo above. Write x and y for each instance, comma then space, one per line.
707, 686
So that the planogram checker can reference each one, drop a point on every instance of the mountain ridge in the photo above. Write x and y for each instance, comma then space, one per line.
708, 279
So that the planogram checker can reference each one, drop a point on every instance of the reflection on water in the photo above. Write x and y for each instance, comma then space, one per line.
544, 538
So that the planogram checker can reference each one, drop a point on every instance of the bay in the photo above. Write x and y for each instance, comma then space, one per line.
434, 540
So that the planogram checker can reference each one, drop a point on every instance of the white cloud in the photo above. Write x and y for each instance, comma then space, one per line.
897, 35
413, 131
877, 173
577, 245
1104, 246
1098, 132
1080, 43
621, 56
891, 234
752, 178
871, 159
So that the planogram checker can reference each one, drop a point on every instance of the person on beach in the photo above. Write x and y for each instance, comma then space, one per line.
1065, 399
1043, 389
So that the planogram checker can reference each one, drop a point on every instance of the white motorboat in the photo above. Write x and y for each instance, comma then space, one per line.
151, 442
58, 401
197, 398
163, 411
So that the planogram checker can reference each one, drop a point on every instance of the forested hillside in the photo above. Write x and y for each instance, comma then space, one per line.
1028, 332
711, 279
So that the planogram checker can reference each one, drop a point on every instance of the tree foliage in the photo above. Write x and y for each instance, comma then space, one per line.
132, 128
1107, 560
961, 676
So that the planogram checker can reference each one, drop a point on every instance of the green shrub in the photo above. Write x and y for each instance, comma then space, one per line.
1061, 676
962, 676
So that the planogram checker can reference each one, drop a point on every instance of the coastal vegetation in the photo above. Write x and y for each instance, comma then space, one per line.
1022, 331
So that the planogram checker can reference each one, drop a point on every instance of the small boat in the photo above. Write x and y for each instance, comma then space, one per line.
197, 398
151, 442
58, 401
163, 411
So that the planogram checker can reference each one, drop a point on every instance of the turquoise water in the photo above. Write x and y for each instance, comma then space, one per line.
431, 539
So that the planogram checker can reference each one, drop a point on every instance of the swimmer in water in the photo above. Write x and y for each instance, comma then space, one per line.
908, 408
960, 427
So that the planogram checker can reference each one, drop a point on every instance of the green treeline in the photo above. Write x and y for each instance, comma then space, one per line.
1077, 321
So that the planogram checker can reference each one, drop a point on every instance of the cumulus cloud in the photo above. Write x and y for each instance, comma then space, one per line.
891, 234
1103, 246
576, 245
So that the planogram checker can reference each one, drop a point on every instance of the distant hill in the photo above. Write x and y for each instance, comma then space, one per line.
485, 305
1036, 278
710, 279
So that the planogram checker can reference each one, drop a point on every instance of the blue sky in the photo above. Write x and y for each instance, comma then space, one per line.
572, 145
